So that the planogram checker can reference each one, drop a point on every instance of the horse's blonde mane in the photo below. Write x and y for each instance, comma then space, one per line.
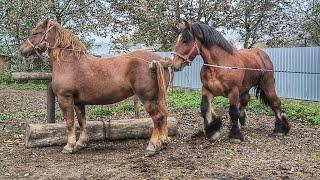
65, 39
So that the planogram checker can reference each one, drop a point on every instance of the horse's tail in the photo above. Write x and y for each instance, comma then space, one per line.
163, 68
260, 94
158, 68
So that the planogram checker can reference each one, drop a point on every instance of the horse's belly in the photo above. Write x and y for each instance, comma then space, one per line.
108, 95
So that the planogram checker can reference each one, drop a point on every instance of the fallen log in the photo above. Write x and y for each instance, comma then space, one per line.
40, 135
22, 76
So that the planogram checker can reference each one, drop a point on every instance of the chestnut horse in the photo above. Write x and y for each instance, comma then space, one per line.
230, 73
79, 79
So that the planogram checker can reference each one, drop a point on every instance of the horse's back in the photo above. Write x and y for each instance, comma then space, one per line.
255, 58
144, 54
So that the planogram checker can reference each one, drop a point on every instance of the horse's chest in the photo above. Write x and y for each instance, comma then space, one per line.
211, 82
220, 83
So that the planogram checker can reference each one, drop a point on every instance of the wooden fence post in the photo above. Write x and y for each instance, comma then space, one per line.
136, 107
51, 109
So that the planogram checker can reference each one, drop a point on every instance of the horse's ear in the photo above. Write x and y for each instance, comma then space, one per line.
46, 21
180, 26
187, 26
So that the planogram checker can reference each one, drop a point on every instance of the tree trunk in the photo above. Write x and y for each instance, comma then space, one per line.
39, 135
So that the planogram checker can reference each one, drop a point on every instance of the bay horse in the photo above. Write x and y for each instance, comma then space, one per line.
79, 79
230, 73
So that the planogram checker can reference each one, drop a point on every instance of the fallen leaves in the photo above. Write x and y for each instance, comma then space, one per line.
17, 139
314, 156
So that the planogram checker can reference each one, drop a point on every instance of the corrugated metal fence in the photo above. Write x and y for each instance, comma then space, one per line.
288, 85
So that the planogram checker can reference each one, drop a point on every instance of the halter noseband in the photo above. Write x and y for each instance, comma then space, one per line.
43, 38
187, 57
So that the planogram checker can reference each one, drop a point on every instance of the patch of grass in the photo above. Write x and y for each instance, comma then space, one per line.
220, 102
99, 112
179, 99
123, 108
184, 100
20, 116
191, 99
105, 111
256, 106
5, 77
305, 112
58, 116
35, 85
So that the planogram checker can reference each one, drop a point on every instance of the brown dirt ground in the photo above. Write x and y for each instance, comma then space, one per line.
188, 156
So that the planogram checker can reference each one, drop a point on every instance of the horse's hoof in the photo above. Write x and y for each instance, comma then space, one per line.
164, 142
276, 134
235, 141
169, 140
67, 150
80, 146
215, 136
151, 150
150, 153
243, 126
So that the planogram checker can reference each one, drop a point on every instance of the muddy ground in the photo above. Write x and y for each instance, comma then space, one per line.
188, 156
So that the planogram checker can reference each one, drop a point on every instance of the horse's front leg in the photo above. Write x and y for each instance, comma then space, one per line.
83, 138
212, 122
66, 104
235, 133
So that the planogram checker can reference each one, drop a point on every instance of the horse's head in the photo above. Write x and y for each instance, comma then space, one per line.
186, 47
39, 41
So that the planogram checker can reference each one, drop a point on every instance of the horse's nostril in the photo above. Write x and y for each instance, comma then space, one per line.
176, 69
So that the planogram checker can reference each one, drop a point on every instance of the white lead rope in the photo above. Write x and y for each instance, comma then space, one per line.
263, 70
239, 68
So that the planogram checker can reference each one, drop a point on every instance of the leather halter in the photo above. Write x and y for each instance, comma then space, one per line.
43, 38
187, 58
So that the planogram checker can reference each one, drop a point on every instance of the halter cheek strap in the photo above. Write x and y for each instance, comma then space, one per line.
187, 58
44, 38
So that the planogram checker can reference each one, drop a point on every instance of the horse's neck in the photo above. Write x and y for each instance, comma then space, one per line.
214, 55
61, 60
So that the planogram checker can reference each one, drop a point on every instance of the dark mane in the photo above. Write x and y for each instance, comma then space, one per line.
208, 36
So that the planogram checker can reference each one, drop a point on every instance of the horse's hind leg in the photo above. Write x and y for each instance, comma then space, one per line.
268, 92
212, 122
244, 99
235, 132
159, 114
83, 138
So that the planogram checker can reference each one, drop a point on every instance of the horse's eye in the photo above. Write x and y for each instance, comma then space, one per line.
35, 33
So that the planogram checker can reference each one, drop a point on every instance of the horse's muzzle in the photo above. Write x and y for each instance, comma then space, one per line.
24, 53
177, 69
